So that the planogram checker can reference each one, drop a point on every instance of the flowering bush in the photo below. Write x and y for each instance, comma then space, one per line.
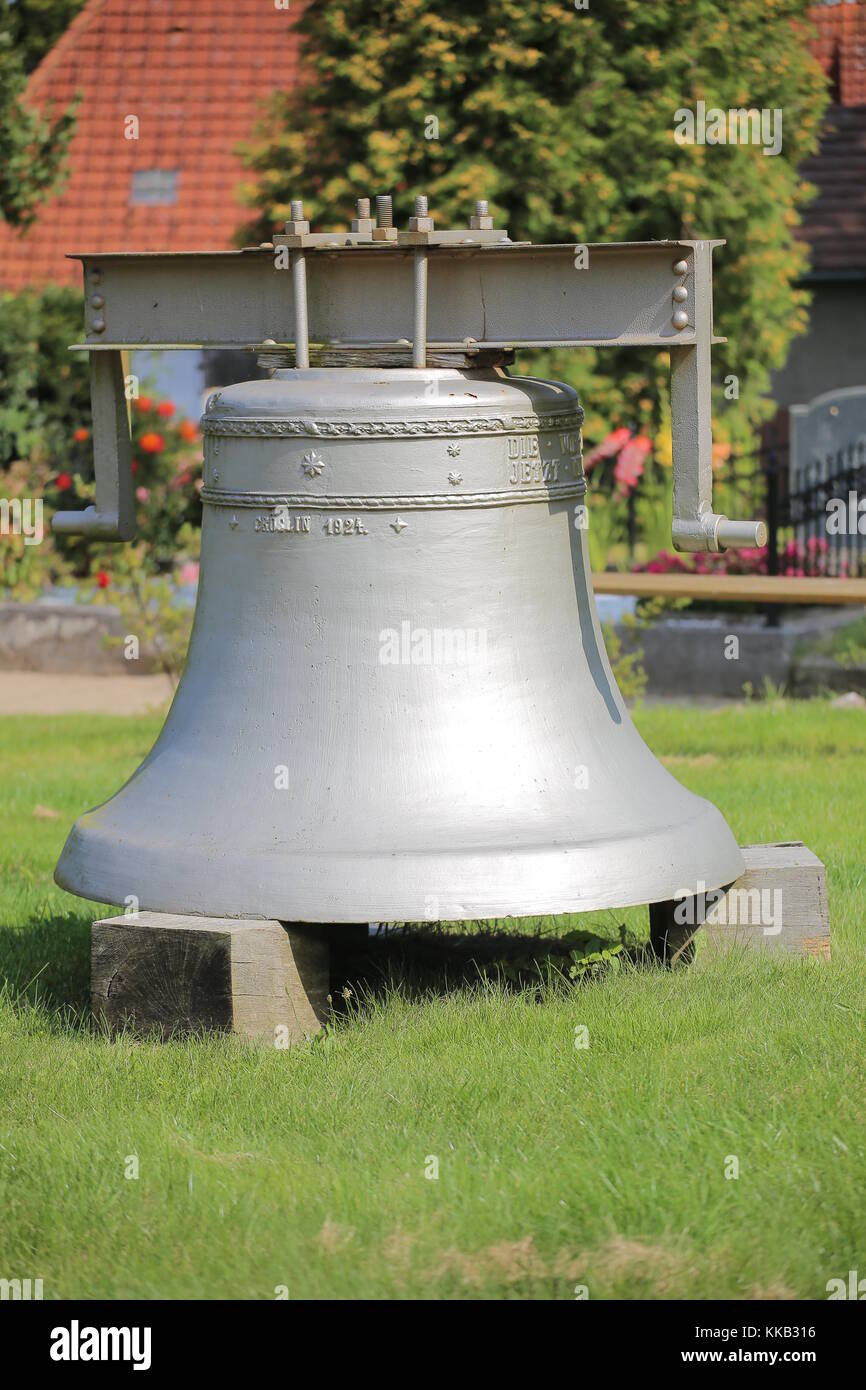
727, 561
27, 568
145, 579
631, 453
812, 558
166, 467
799, 559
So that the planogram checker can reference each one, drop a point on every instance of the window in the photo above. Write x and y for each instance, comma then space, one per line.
154, 186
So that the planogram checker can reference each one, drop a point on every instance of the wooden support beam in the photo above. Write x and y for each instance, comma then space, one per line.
779, 905
731, 588
160, 973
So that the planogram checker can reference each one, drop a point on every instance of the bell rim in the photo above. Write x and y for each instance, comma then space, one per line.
384, 885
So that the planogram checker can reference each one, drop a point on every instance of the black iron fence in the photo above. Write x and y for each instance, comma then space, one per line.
816, 513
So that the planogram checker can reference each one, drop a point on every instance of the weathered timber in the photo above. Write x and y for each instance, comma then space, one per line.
166, 974
778, 905
731, 588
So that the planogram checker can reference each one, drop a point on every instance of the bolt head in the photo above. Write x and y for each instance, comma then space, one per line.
680, 267
680, 319
98, 326
680, 293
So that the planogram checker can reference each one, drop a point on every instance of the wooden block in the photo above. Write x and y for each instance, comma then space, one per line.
170, 974
779, 904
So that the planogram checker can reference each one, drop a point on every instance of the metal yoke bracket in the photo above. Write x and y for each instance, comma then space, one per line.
457, 289
696, 527
113, 517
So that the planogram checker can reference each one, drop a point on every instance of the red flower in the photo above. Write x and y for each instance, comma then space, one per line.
80, 435
187, 430
629, 466
607, 448
151, 442
134, 466
165, 408
102, 579
664, 563
144, 403
64, 482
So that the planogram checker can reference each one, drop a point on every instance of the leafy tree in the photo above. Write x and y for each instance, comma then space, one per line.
32, 143
564, 119
44, 388
37, 25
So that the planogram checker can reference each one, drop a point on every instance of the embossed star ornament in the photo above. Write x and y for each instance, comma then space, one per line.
312, 463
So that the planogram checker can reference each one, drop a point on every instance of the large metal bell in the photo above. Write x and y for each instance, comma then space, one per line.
397, 703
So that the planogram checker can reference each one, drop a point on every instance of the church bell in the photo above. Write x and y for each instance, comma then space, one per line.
397, 703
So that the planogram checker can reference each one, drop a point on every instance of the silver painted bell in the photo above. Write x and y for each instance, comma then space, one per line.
397, 703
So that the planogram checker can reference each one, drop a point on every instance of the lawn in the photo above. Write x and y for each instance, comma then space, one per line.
305, 1170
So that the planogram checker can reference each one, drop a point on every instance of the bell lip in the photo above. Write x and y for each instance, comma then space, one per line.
385, 886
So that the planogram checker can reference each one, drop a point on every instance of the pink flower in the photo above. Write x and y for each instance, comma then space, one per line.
188, 573
609, 446
142, 493
629, 466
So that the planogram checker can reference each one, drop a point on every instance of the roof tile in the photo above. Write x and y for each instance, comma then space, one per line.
197, 95
840, 47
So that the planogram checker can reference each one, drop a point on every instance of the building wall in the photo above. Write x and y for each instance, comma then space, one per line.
833, 353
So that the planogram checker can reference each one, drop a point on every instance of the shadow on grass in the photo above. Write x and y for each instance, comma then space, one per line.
425, 959
45, 962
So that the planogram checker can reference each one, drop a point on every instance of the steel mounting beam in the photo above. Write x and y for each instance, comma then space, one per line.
447, 295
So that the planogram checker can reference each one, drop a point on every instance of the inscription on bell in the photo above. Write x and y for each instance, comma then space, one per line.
281, 519
533, 461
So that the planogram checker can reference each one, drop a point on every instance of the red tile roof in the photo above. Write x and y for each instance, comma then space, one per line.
840, 47
195, 73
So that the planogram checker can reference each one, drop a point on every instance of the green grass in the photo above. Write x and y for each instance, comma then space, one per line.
558, 1166
847, 644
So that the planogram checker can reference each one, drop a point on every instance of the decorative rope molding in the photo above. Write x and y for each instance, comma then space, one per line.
377, 429
223, 497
